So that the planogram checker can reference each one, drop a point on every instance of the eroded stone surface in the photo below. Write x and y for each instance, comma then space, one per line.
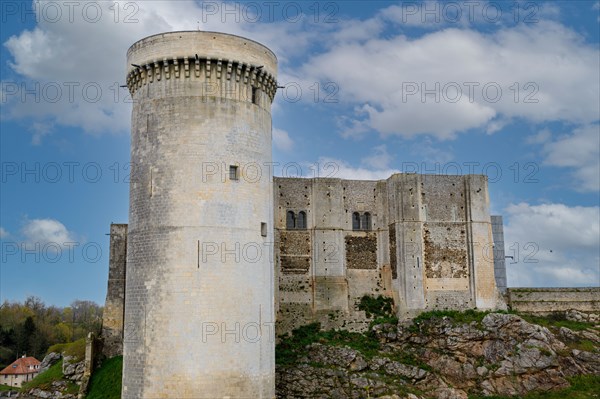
502, 355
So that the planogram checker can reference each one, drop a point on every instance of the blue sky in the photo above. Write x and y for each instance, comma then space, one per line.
506, 89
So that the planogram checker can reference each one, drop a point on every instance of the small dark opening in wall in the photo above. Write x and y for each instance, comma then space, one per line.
301, 221
233, 172
254, 95
290, 220
263, 229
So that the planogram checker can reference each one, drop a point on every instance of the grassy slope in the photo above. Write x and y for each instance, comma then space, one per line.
291, 348
106, 381
44, 380
582, 387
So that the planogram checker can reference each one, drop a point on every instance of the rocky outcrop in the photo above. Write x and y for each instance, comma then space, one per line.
49, 360
72, 369
55, 391
502, 354
575, 315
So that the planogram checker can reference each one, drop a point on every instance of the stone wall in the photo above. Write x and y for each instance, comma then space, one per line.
499, 254
114, 307
548, 300
428, 246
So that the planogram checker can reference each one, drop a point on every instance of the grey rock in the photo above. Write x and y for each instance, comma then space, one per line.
49, 360
450, 393
402, 370
503, 355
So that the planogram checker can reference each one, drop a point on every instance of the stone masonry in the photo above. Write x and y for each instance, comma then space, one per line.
199, 318
499, 254
425, 260
215, 253
114, 308
428, 245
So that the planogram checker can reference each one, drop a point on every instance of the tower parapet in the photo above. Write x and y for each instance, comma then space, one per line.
222, 65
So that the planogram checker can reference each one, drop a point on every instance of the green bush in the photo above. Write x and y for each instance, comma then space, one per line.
377, 307
381, 308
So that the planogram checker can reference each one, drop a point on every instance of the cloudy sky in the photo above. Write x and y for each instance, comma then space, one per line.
507, 89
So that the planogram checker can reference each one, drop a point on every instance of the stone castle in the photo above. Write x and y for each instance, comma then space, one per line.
213, 264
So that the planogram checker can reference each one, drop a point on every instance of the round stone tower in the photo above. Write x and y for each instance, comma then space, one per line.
199, 318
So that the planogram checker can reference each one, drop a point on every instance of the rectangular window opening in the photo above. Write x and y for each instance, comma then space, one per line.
233, 172
263, 229
254, 95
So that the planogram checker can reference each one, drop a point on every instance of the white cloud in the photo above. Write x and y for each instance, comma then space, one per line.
553, 245
388, 79
373, 68
339, 169
46, 231
580, 151
379, 159
282, 140
430, 153
76, 65
3, 233
40, 130
540, 137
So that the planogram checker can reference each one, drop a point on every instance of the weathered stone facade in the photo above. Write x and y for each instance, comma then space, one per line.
499, 254
428, 245
422, 256
198, 315
551, 300
114, 307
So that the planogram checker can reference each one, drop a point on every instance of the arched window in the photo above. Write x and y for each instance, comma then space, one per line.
355, 221
365, 222
301, 222
290, 220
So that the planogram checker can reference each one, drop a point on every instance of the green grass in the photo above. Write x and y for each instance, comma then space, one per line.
106, 381
58, 348
457, 317
7, 388
409, 359
553, 321
44, 380
582, 345
582, 387
292, 347
556, 320
75, 349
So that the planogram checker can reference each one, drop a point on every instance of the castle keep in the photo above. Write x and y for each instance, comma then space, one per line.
211, 264
198, 98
